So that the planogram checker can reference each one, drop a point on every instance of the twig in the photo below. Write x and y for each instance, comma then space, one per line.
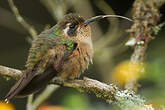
124, 99
8, 20
146, 16
20, 19
29, 102
44, 95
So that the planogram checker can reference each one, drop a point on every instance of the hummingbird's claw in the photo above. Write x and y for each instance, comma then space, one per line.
59, 79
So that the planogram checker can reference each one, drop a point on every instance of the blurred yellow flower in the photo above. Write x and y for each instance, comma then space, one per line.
127, 71
5, 106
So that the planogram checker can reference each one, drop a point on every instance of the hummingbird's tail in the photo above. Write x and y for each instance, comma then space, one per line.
38, 82
30, 83
23, 81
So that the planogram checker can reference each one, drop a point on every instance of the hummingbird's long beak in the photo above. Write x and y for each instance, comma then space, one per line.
105, 16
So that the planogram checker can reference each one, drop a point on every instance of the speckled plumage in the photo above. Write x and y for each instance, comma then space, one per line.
61, 51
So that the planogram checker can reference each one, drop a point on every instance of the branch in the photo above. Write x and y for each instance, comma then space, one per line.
20, 19
43, 96
10, 72
146, 16
123, 98
29, 104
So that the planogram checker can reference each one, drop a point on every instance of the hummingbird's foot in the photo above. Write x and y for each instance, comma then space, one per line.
59, 80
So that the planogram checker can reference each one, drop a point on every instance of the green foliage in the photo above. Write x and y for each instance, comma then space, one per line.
75, 101
155, 71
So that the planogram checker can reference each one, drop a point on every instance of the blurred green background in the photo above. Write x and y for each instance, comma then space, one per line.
109, 37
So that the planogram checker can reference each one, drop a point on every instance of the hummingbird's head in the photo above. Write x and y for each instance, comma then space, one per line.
76, 28
73, 27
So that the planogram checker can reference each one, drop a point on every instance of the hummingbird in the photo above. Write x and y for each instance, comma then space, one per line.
64, 51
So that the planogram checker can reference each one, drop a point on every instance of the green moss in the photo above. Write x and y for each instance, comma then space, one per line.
7, 78
99, 93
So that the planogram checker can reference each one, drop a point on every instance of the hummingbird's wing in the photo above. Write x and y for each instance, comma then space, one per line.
39, 50
43, 53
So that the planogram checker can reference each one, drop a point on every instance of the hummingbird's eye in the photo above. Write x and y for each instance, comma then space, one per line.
72, 26
70, 30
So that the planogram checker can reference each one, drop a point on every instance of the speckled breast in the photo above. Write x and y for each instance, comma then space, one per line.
77, 62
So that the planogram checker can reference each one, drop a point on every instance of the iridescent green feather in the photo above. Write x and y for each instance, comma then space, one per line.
38, 50
43, 43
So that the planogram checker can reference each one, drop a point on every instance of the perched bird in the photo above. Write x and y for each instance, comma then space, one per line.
65, 51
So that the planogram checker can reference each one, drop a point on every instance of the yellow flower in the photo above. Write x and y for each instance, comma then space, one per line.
127, 71
5, 106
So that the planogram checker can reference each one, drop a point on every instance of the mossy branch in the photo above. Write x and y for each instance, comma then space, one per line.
123, 98
146, 16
